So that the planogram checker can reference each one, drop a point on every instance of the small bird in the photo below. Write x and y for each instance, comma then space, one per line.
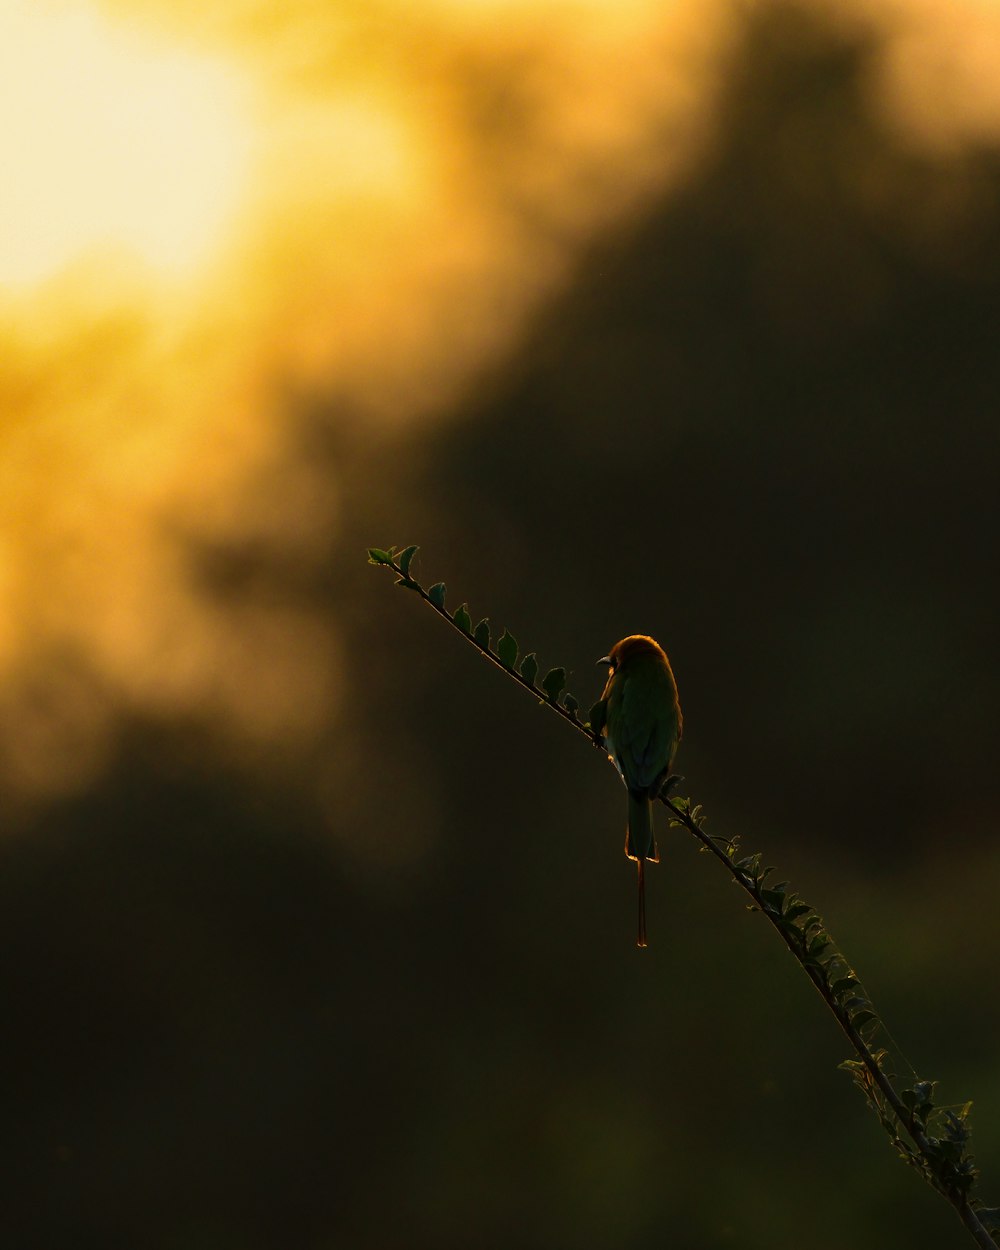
640, 717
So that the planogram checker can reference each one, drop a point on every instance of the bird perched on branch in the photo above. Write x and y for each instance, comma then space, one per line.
640, 717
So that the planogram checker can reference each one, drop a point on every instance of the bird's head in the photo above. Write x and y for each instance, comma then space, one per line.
631, 648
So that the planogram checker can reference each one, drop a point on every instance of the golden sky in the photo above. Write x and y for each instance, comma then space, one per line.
204, 205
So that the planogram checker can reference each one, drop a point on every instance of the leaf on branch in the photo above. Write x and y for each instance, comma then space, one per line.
407, 583
955, 1125
861, 1018
919, 1099
597, 716
404, 558
507, 649
571, 705
529, 668
553, 682
376, 555
750, 864
462, 619
990, 1216
773, 899
880, 1056
671, 783
482, 633
436, 594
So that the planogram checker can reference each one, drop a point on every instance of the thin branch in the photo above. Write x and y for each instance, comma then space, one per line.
903, 1114
944, 1162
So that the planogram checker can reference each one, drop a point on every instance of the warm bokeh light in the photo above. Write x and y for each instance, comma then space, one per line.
940, 79
668, 316
367, 205
110, 141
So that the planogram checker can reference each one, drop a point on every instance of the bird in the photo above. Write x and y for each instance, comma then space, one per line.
639, 716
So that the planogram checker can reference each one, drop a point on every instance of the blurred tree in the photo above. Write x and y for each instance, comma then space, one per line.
357, 999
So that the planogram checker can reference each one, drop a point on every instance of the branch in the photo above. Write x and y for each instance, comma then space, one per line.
935, 1142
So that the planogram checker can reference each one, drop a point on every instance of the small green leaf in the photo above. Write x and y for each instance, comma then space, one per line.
964, 1114
794, 910
597, 716
407, 583
482, 633
462, 619
819, 944
553, 682
841, 987
507, 649
570, 704
404, 558
376, 555
436, 594
861, 1018
880, 1057
955, 1126
773, 899
529, 668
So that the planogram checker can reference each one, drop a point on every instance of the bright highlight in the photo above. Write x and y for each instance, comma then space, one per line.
110, 141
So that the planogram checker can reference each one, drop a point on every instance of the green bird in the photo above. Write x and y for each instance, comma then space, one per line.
640, 717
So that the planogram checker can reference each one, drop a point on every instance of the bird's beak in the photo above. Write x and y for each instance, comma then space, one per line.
606, 660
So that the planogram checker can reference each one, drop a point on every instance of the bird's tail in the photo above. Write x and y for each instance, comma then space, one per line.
640, 845
641, 939
639, 840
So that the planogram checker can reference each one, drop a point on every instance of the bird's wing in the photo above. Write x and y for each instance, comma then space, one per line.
645, 738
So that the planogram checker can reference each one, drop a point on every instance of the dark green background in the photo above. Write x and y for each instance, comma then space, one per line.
760, 425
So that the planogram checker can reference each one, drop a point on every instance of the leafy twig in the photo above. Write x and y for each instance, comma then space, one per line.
935, 1142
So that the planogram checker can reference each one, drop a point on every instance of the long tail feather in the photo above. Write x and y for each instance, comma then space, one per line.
641, 939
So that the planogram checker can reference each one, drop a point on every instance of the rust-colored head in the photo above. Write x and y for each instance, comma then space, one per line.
631, 648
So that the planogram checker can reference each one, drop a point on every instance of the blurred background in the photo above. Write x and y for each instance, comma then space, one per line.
678, 318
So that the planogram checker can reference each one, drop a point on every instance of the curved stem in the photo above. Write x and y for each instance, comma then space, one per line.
753, 886
903, 1114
